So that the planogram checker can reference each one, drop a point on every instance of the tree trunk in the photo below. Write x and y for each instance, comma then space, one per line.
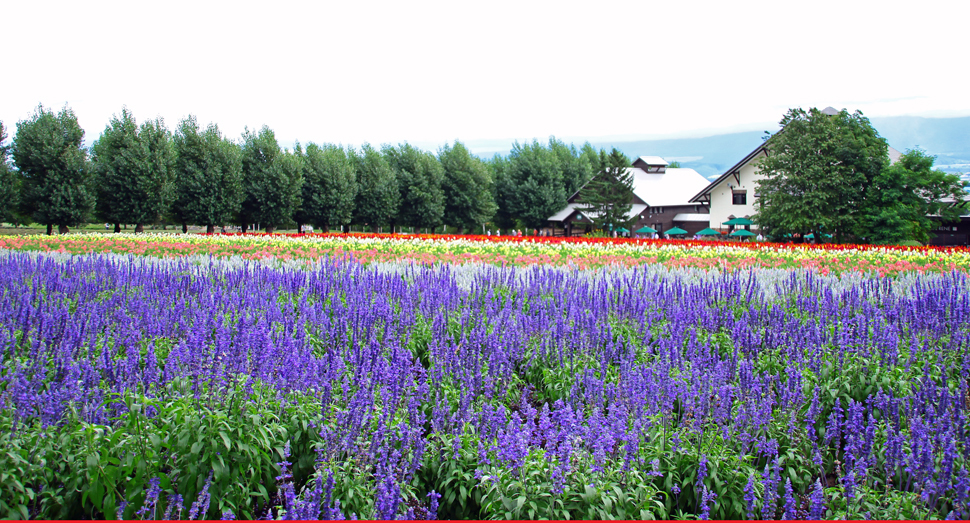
270, 229
62, 229
117, 227
185, 228
139, 228
210, 228
299, 228
126, 226
326, 228
243, 227
50, 229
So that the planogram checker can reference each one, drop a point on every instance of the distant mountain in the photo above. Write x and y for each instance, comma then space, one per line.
946, 138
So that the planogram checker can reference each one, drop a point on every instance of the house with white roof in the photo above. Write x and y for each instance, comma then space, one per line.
661, 200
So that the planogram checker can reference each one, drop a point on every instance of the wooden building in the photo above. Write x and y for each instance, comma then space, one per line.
661, 200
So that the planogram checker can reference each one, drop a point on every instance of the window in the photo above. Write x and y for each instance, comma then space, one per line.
740, 198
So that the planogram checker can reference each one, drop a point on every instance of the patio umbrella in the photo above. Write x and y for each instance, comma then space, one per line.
739, 221
708, 232
623, 229
812, 235
743, 232
674, 230
646, 230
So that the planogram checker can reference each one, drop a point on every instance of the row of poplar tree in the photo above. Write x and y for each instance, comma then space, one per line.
145, 174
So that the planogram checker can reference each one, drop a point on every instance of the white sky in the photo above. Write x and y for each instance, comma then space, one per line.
430, 72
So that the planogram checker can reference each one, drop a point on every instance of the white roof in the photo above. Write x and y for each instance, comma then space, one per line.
563, 214
653, 160
672, 187
692, 217
635, 210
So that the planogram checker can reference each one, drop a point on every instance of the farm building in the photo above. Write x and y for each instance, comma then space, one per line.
661, 200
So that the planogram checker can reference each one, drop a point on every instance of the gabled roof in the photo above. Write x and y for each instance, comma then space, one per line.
655, 189
737, 167
653, 160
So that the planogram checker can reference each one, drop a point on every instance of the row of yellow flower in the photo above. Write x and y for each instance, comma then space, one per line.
366, 249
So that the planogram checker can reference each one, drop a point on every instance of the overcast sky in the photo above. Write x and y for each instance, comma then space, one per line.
432, 72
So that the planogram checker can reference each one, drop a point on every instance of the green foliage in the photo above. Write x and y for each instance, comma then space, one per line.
134, 171
531, 187
208, 175
608, 197
87, 471
577, 167
9, 183
419, 181
53, 168
377, 191
467, 187
272, 179
329, 187
818, 173
904, 196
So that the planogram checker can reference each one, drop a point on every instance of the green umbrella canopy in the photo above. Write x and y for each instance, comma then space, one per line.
675, 230
708, 232
646, 230
812, 235
742, 232
623, 229
739, 221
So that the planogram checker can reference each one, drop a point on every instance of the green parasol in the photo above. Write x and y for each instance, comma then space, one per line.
739, 221
743, 232
708, 232
623, 229
674, 230
646, 230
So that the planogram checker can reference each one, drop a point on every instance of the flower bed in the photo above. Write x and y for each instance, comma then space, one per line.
576, 252
152, 388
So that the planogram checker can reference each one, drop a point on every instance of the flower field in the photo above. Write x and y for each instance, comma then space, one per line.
580, 253
245, 377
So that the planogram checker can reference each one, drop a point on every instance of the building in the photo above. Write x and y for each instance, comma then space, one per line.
734, 193
954, 233
660, 200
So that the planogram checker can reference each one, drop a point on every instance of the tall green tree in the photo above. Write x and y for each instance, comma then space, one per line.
9, 184
134, 175
208, 176
819, 170
575, 166
377, 190
608, 197
53, 168
467, 188
272, 180
533, 188
329, 187
909, 199
502, 189
419, 178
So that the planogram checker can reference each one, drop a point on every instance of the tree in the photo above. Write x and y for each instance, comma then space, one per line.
329, 187
467, 188
52, 165
419, 178
9, 190
819, 170
576, 167
208, 176
502, 189
608, 197
377, 191
133, 171
909, 199
532, 188
272, 179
